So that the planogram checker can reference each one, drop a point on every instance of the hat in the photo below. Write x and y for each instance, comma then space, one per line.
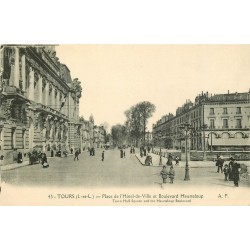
231, 159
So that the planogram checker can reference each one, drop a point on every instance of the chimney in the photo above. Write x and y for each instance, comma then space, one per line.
228, 91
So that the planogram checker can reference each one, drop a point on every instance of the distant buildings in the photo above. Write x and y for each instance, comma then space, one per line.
219, 122
39, 102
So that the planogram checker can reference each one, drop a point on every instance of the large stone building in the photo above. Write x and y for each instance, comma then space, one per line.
87, 133
39, 102
218, 122
99, 136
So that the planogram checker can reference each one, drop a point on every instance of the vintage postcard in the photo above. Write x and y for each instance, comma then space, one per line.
125, 125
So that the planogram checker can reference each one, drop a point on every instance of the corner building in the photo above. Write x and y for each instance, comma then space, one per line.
39, 102
219, 122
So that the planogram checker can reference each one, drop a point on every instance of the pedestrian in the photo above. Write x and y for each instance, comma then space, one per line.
219, 163
164, 174
170, 159
121, 153
103, 155
230, 165
71, 150
236, 173
171, 174
124, 154
19, 157
226, 172
44, 161
177, 160
133, 150
76, 155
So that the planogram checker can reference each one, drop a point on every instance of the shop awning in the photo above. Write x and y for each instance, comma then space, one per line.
230, 142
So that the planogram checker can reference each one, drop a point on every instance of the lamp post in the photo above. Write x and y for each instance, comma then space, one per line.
211, 146
186, 127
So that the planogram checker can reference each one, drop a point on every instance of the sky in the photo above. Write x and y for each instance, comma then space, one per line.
115, 77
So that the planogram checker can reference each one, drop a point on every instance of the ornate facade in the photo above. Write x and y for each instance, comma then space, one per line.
218, 122
39, 104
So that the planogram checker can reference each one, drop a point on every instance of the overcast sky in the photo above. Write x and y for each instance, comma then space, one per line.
115, 77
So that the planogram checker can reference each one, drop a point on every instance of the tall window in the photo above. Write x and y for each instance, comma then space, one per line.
238, 123
211, 111
225, 123
212, 124
224, 110
238, 110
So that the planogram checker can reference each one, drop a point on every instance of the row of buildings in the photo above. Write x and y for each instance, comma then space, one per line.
39, 104
217, 122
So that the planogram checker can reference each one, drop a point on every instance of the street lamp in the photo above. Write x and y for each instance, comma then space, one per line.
186, 127
211, 140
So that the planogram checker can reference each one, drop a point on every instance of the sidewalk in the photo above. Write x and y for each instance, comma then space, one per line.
192, 164
14, 166
23, 164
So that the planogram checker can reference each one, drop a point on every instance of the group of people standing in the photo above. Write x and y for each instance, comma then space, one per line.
143, 150
91, 151
122, 153
231, 171
132, 150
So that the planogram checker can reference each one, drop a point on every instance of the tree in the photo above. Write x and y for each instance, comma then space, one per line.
118, 133
146, 110
137, 118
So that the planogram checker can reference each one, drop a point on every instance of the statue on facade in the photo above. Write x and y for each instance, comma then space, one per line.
76, 87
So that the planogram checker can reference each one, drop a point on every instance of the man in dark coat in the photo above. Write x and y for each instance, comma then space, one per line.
236, 173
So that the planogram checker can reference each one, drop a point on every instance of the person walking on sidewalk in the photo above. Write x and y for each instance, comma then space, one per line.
171, 174
103, 155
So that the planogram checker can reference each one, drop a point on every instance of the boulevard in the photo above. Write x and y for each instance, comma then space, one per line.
90, 171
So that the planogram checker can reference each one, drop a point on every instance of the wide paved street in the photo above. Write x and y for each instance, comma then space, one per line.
90, 171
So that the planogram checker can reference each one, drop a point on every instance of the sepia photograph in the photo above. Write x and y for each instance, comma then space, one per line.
130, 124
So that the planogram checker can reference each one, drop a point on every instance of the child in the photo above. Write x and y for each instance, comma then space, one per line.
226, 172
164, 174
171, 174
102, 155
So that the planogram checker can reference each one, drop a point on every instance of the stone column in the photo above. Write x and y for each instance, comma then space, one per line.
24, 72
40, 91
58, 105
47, 94
16, 70
31, 87
53, 98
